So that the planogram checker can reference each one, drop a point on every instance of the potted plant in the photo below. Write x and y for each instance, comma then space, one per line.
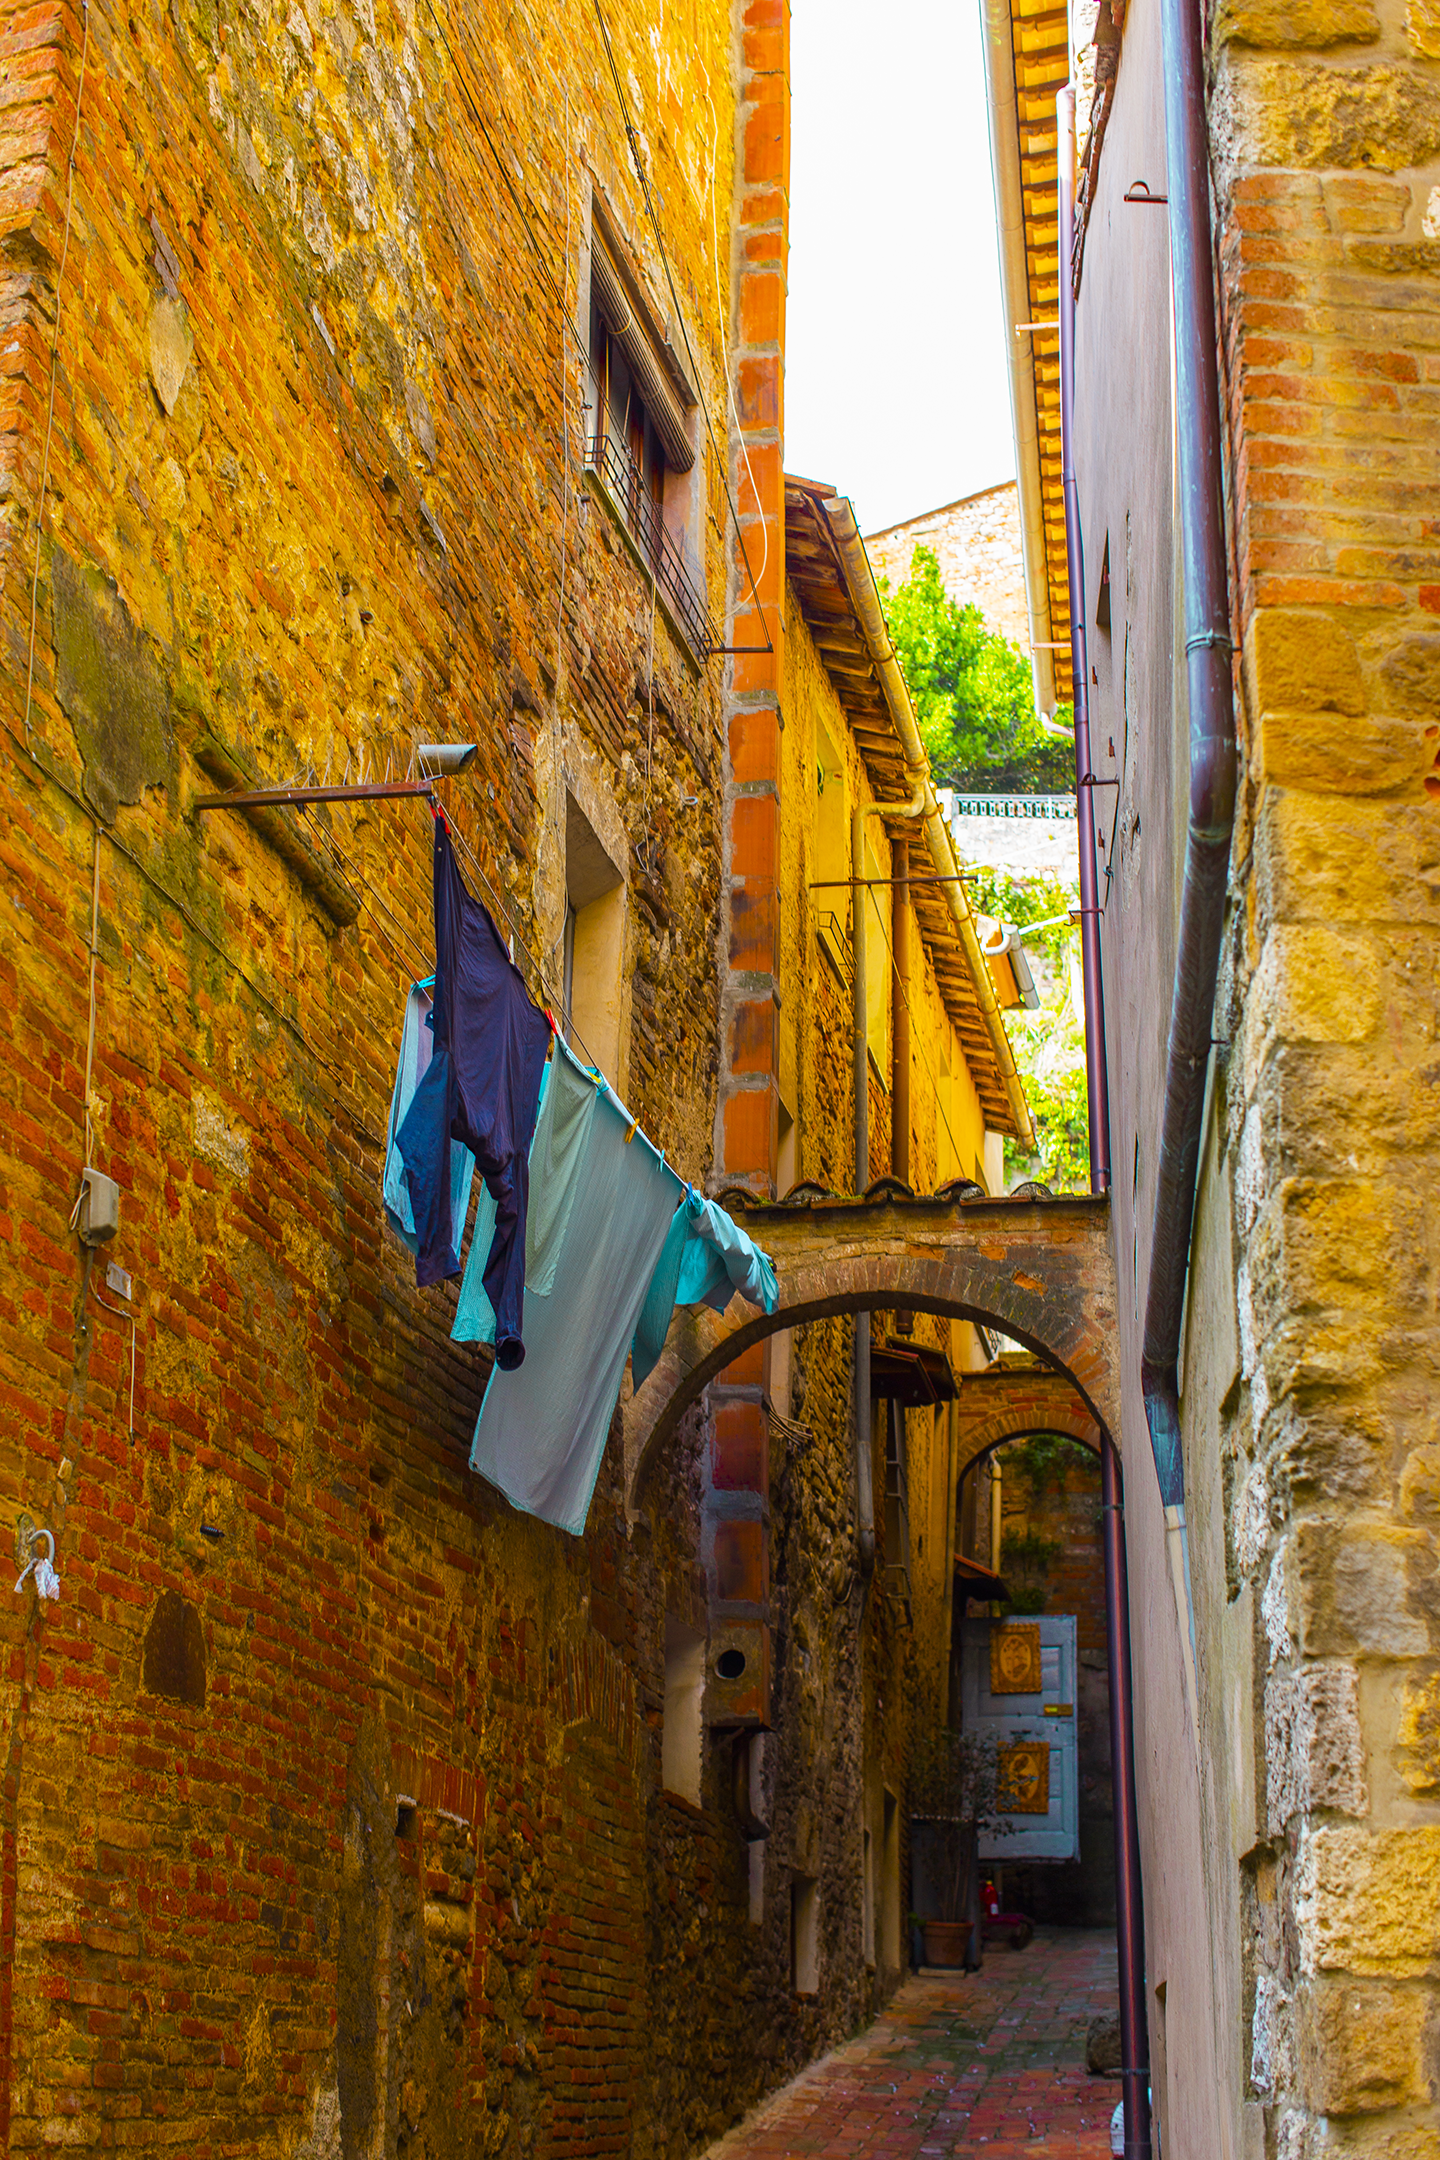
954, 1786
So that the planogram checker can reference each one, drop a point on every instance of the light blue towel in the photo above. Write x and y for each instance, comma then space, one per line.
416, 1044
705, 1259
557, 1153
542, 1428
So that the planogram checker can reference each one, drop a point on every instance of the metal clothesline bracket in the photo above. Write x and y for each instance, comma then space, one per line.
844, 884
286, 797
1139, 192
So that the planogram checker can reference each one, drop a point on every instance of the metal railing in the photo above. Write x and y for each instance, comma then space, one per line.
625, 485
1023, 806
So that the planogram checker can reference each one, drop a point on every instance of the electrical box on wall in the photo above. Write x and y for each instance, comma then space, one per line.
99, 1207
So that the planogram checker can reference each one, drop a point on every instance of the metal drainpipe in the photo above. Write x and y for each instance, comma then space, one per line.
1129, 1910
1097, 1073
1208, 650
864, 1467
900, 1012
900, 1031
1129, 1907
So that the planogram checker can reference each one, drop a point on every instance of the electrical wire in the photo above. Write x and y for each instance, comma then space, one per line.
500, 166
54, 353
406, 949
644, 179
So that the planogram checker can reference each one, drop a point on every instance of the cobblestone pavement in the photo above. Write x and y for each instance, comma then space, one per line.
959, 2067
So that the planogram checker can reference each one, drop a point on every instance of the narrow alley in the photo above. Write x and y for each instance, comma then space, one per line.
959, 2064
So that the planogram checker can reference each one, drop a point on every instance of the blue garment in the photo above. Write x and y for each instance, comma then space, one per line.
557, 1153
542, 1430
416, 1041
705, 1259
482, 1087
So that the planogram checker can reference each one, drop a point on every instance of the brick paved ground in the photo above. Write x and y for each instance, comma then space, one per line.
960, 2067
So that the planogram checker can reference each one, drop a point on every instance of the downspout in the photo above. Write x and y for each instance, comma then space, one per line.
1015, 301
860, 586
1097, 1073
900, 1012
860, 1055
1208, 650
1129, 1909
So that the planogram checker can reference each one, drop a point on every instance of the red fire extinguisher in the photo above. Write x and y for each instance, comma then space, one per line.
992, 1901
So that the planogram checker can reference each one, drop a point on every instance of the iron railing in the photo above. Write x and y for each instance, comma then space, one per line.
625, 486
1026, 806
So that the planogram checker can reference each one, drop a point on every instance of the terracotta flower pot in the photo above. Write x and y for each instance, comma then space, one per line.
945, 1941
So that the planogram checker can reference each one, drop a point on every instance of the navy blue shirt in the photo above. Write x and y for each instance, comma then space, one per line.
482, 1087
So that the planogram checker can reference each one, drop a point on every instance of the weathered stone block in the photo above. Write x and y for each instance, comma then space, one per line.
1317, 985
1304, 660
1411, 674
1298, 113
1361, 2046
1422, 28
1361, 1586
1314, 1752
1418, 1735
1313, 23
1369, 1902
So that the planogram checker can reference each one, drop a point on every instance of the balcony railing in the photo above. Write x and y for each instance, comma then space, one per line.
1022, 806
625, 486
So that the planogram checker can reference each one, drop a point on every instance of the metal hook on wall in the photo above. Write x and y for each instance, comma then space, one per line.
47, 1582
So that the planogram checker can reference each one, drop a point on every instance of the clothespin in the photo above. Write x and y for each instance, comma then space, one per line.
634, 1128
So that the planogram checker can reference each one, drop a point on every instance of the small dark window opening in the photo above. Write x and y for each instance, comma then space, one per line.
624, 446
1102, 599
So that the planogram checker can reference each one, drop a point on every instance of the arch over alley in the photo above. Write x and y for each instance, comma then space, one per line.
1039, 1269
996, 1407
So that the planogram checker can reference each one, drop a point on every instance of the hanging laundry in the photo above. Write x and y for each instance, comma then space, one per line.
542, 1431
482, 1087
705, 1260
416, 1044
567, 1103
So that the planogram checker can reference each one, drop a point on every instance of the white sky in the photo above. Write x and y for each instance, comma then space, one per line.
895, 387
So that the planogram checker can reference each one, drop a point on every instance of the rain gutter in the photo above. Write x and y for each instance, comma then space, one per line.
1208, 653
1097, 1070
1015, 301
860, 586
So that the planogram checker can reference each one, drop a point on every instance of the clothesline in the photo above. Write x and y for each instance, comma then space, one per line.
583, 1245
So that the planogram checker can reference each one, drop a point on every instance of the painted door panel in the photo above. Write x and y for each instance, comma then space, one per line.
1038, 1727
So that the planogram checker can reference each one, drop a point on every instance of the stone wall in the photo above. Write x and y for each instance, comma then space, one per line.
332, 1819
1325, 1142
977, 543
1290, 1827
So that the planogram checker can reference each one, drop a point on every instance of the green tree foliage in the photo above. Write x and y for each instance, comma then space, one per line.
973, 693
1049, 1044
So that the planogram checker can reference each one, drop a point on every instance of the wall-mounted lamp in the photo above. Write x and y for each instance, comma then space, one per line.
445, 757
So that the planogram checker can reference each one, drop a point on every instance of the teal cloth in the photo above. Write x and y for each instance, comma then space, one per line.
542, 1428
705, 1259
416, 1043
557, 1153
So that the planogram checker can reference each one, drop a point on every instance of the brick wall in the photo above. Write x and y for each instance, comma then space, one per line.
330, 1815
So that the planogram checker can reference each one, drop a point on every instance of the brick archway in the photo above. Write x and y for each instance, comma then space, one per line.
1040, 1270
1000, 1406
